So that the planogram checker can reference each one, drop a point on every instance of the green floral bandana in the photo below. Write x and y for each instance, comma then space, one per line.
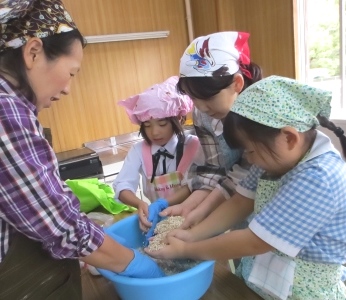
21, 20
278, 102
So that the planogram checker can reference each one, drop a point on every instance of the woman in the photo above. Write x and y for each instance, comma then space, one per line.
42, 233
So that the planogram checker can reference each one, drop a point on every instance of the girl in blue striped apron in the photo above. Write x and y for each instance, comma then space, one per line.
295, 245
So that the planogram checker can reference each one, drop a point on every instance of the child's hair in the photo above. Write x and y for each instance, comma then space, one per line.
237, 127
206, 87
337, 130
177, 125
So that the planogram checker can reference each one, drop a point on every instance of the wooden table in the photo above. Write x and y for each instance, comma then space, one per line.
225, 284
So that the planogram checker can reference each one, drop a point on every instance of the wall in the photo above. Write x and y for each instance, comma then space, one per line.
269, 22
114, 71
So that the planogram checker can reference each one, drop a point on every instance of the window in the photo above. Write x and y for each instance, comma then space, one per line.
321, 44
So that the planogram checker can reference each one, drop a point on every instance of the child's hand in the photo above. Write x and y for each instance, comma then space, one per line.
153, 214
174, 249
175, 210
184, 235
144, 224
194, 217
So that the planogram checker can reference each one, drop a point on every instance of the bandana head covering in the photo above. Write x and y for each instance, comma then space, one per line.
40, 18
157, 102
278, 102
207, 54
10, 9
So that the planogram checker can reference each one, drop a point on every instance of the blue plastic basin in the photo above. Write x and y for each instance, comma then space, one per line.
188, 285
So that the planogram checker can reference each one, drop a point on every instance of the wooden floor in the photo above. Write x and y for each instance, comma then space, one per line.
225, 285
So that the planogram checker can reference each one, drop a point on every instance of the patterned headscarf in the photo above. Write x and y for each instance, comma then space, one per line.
278, 102
207, 54
21, 20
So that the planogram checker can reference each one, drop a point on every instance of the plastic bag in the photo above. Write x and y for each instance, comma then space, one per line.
93, 193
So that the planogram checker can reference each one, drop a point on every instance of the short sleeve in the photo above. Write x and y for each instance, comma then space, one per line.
247, 186
303, 205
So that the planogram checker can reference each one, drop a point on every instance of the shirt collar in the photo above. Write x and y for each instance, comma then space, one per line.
217, 126
321, 145
171, 146
8, 88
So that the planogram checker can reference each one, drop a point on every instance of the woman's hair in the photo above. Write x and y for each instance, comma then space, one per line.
237, 128
206, 87
12, 61
177, 125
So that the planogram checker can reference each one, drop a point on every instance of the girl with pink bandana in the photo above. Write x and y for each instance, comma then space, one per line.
164, 157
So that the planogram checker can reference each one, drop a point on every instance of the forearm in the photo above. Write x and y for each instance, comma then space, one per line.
179, 196
213, 200
111, 256
234, 244
227, 214
129, 198
195, 199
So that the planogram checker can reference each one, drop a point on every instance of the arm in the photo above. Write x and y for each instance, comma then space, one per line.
126, 185
31, 189
203, 209
187, 205
129, 198
226, 215
208, 240
234, 244
110, 255
179, 196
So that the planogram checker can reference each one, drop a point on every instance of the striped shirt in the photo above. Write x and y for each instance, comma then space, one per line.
34, 200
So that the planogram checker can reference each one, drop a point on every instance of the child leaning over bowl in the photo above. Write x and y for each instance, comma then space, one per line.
295, 245
163, 157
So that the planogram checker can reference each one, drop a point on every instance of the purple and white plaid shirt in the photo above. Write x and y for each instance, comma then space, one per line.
33, 198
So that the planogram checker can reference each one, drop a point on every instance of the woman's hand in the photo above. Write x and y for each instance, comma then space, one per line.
144, 224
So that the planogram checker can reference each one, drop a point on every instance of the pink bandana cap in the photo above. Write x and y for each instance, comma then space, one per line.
207, 54
157, 102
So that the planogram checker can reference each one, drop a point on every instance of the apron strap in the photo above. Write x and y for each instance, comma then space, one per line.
188, 155
29, 272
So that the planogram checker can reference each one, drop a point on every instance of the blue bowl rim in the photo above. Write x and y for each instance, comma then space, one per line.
203, 265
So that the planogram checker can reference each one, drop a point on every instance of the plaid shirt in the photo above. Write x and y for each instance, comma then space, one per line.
34, 200
216, 173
